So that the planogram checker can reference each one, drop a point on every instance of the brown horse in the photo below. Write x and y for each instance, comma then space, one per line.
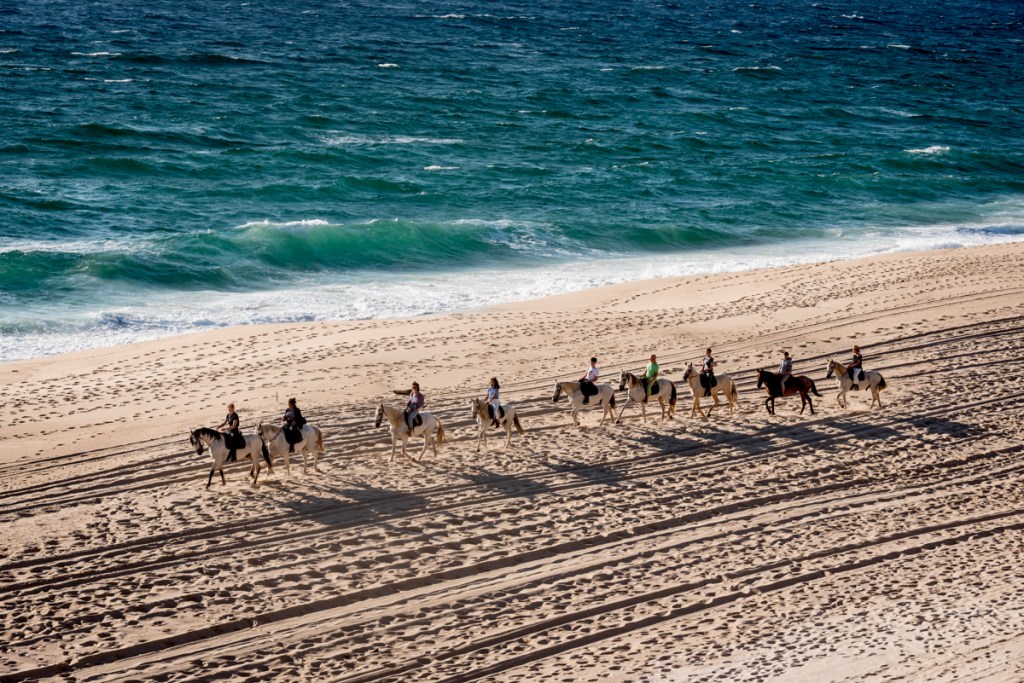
773, 384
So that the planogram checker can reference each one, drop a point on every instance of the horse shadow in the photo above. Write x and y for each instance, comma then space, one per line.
592, 472
351, 505
510, 486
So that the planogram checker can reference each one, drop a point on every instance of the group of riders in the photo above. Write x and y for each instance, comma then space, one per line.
233, 439
293, 419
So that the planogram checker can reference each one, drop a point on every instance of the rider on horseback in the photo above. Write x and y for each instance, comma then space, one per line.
588, 381
856, 368
707, 372
413, 406
493, 403
232, 435
785, 368
293, 421
650, 376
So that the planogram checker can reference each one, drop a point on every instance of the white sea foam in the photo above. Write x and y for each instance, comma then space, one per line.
118, 80
9, 50
285, 225
435, 167
388, 65
362, 295
96, 54
389, 140
648, 68
933, 150
899, 46
770, 67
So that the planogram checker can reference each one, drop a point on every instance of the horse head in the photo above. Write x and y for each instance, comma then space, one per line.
259, 431
379, 416
623, 376
558, 392
474, 407
760, 377
193, 439
688, 373
831, 367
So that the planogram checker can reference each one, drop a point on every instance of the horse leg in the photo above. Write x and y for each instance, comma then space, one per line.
223, 481
625, 403
508, 432
394, 443
210, 480
575, 417
643, 411
810, 404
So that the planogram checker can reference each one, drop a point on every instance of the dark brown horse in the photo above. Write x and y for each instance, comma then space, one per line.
795, 384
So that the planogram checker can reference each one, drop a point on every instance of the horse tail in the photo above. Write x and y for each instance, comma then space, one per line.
519, 427
611, 401
266, 453
814, 389
672, 398
881, 382
735, 394
440, 434
319, 440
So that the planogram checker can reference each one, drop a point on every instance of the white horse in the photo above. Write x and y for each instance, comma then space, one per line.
605, 398
400, 430
213, 440
872, 380
483, 421
312, 442
725, 386
638, 394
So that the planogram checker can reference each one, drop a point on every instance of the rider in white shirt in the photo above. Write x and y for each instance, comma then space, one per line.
591, 377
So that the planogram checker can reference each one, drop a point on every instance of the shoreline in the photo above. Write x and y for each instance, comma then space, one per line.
850, 543
386, 298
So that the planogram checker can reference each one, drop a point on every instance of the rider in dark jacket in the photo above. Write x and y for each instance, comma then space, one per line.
232, 434
293, 421
856, 368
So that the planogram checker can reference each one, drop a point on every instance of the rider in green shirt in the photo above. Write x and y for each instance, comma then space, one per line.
650, 376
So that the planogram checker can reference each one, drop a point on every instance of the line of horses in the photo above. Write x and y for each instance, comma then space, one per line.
269, 440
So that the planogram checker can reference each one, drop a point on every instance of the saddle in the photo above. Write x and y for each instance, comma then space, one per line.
234, 440
708, 380
588, 389
416, 421
292, 435
490, 412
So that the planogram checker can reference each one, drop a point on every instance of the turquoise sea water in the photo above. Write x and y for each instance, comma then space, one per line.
171, 166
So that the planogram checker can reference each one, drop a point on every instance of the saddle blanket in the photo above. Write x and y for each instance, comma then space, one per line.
490, 412
234, 440
704, 381
655, 388
588, 389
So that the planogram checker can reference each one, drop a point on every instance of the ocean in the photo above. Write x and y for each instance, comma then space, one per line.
174, 166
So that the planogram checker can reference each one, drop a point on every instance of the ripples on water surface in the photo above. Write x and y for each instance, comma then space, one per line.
299, 161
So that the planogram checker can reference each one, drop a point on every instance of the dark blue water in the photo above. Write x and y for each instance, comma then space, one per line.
167, 166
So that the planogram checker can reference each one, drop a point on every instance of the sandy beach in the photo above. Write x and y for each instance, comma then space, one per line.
853, 544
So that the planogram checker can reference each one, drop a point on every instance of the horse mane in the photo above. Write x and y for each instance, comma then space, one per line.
212, 433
